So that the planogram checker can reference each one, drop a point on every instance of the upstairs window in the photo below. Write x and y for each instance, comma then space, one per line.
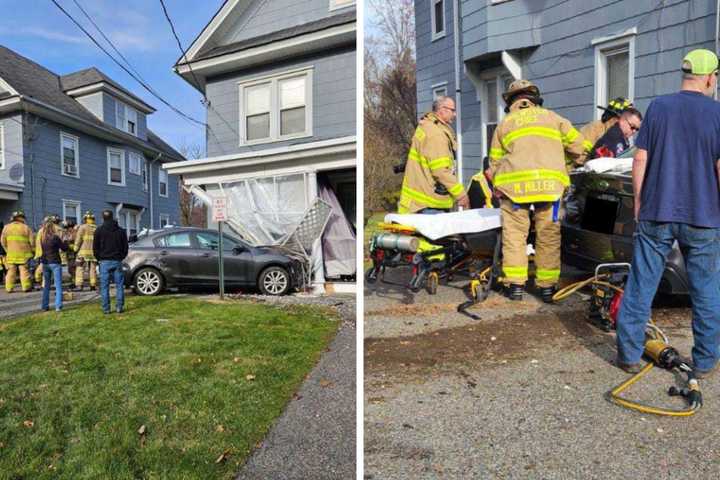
125, 118
69, 152
274, 109
162, 182
437, 18
135, 163
116, 167
145, 175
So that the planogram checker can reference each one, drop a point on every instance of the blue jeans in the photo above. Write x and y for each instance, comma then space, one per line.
112, 268
52, 272
701, 249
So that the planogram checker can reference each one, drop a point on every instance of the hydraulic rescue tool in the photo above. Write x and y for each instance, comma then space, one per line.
605, 301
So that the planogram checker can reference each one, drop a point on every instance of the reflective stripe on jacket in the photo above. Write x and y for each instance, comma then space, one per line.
18, 241
84, 241
430, 163
527, 154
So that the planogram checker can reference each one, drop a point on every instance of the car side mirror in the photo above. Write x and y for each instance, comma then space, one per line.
238, 250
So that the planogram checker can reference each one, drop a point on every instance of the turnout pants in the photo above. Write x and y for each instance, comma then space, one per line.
83, 269
515, 229
12, 274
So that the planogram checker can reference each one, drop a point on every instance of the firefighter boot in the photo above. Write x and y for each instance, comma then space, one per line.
546, 293
514, 291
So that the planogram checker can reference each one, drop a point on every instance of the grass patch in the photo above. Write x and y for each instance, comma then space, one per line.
204, 379
371, 227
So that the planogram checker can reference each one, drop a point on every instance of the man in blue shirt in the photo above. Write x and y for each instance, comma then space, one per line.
677, 198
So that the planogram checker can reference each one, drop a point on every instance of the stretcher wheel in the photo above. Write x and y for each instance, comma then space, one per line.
432, 283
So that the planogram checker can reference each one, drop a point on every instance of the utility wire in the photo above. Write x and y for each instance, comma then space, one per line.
183, 53
135, 77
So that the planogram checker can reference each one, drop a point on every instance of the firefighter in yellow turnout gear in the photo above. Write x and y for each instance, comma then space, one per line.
594, 130
85, 260
18, 241
430, 183
527, 165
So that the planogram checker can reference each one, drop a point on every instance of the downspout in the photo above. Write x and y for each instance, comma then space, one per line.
150, 185
458, 89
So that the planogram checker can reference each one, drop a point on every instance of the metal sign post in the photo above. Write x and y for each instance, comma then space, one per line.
220, 216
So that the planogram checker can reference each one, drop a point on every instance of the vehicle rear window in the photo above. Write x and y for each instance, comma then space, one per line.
175, 240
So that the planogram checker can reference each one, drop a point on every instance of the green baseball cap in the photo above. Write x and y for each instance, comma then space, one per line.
700, 62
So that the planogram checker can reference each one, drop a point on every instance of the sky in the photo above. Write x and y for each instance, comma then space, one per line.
38, 30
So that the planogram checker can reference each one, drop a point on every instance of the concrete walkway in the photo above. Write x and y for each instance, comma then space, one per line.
20, 303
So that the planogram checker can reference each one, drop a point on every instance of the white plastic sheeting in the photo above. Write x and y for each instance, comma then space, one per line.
267, 209
339, 237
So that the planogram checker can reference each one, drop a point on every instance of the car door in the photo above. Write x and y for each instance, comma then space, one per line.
237, 258
176, 256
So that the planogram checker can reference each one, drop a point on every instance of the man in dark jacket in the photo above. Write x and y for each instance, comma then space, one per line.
110, 247
617, 139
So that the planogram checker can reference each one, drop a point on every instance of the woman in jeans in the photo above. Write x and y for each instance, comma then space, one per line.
52, 265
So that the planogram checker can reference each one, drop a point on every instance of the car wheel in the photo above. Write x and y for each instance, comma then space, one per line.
148, 282
274, 281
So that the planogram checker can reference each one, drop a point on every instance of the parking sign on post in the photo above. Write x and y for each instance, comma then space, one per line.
220, 215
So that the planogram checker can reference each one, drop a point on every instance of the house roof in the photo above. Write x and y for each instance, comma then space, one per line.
36, 82
318, 25
92, 76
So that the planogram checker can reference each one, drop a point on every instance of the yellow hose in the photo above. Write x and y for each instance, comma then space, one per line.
668, 412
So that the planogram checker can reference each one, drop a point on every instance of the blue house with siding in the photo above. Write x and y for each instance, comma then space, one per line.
580, 53
279, 79
78, 142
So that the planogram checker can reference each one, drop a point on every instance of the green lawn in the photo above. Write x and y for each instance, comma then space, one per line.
204, 379
371, 227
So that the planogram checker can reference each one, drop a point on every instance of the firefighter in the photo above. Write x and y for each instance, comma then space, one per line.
69, 234
527, 167
593, 131
2, 256
430, 184
85, 259
18, 241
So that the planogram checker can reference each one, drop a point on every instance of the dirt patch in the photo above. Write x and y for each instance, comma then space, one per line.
494, 301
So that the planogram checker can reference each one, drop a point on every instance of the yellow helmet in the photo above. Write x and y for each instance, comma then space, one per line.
518, 87
88, 216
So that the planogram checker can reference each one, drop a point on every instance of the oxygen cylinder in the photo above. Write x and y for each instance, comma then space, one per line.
393, 241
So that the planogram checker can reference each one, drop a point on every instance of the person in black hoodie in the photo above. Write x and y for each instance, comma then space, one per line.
110, 247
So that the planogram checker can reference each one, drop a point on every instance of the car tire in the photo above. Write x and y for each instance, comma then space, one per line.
148, 282
274, 281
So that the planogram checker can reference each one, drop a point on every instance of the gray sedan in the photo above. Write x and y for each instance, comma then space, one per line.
188, 257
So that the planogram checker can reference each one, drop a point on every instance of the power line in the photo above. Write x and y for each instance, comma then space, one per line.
183, 53
135, 77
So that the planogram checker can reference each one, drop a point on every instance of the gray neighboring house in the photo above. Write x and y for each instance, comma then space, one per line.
78, 142
579, 52
279, 77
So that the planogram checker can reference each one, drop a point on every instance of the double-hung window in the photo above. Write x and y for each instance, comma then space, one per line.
614, 69
125, 118
162, 182
439, 90
437, 18
278, 108
116, 167
164, 220
71, 210
135, 163
70, 155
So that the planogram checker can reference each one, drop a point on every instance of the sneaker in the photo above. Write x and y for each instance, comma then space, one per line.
628, 367
702, 374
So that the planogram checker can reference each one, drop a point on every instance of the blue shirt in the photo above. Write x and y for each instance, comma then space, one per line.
681, 133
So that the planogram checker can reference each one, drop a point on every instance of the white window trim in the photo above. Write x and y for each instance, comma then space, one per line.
145, 179
167, 182
2, 146
275, 107
495, 2
437, 35
125, 108
77, 155
122, 163
602, 47
336, 6
437, 88
166, 217
78, 209
496, 75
